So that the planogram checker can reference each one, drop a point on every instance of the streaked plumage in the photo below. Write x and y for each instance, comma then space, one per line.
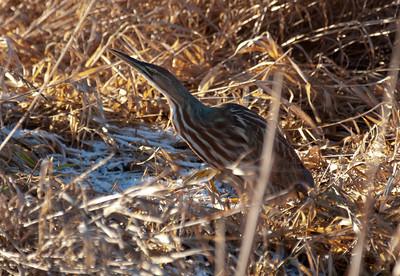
228, 137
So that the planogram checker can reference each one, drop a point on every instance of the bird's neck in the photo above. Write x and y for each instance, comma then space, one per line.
182, 99
186, 106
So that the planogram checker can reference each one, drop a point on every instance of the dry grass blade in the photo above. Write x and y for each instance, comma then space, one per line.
356, 267
94, 180
47, 77
259, 191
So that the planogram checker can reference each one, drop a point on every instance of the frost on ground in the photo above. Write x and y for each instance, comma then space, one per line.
134, 156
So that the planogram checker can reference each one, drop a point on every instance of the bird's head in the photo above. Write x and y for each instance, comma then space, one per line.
157, 76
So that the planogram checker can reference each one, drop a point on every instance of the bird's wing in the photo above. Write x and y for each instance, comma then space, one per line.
238, 133
253, 127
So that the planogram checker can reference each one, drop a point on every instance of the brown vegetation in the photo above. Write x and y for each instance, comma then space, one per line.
71, 118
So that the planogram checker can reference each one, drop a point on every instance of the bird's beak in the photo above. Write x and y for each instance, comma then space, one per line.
137, 64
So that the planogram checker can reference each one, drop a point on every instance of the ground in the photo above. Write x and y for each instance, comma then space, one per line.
94, 179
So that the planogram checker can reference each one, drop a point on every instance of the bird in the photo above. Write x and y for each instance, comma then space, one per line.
228, 137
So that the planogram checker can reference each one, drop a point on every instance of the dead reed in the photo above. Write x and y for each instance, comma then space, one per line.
93, 180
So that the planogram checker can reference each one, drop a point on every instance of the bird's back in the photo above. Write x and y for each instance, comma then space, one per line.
230, 137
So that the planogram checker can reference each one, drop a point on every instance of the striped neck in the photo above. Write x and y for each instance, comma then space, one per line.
185, 108
178, 94
180, 98
188, 104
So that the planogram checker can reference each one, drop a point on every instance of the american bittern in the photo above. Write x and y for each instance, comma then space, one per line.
228, 137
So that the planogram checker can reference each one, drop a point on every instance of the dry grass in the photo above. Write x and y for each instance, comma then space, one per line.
75, 134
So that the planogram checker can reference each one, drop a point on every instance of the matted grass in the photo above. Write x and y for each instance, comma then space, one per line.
94, 180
